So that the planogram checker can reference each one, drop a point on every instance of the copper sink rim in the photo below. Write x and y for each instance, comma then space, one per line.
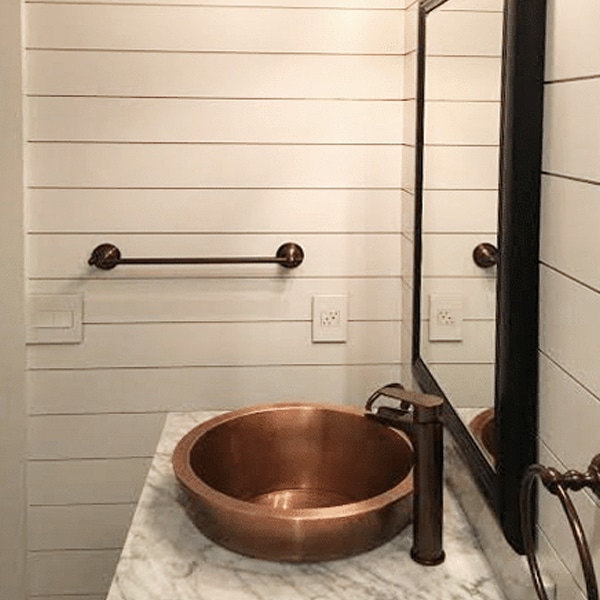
188, 478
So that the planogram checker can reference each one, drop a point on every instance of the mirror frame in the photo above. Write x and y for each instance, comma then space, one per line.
517, 295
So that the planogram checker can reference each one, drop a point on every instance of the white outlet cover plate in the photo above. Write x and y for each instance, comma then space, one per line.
326, 326
445, 318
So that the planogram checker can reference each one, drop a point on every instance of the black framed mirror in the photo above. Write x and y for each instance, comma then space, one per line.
480, 67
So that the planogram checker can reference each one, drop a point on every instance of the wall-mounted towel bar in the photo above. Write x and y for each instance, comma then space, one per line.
108, 256
558, 484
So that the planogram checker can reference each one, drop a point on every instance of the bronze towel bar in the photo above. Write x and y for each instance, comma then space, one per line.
108, 256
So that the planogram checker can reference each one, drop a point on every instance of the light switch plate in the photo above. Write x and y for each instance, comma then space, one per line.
54, 319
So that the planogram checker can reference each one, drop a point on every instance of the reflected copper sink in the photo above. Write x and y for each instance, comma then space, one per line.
296, 482
482, 427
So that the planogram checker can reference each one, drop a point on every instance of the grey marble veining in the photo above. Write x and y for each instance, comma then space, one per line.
166, 558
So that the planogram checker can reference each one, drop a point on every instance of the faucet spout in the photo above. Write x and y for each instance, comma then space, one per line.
426, 432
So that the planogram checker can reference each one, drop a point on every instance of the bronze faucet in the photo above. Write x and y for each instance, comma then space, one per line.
425, 431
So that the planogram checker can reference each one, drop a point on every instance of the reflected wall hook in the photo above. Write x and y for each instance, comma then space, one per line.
108, 256
485, 255
558, 484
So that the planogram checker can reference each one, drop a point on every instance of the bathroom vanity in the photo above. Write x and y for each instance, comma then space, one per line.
166, 558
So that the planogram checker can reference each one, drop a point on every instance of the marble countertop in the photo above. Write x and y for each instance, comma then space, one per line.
166, 558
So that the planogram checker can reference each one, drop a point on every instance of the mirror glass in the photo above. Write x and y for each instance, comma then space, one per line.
461, 138
480, 66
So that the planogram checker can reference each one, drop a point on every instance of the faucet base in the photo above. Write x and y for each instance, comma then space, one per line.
428, 561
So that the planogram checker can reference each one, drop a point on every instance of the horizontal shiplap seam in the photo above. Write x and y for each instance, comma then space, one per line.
388, 363
216, 188
226, 52
226, 98
573, 79
570, 375
361, 233
233, 143
234, 6
571, 178
571, 278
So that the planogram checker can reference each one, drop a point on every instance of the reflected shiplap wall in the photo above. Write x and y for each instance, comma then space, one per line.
460, 190
213, 128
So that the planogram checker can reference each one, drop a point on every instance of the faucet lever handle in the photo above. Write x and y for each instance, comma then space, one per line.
406, 397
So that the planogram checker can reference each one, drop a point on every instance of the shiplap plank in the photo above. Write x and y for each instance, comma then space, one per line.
213, 75
218, 344
567, 334
460, 211
202, 300
184, 211
213, 28
571, 137
283, 4
66, 256
210, 120
569, 228
93, 436
476, 123
139, 390
449, 255
461, 167
476, 346
557, 427
202, 165
463, 78
464, 33
98, 481
71, 571
78, 527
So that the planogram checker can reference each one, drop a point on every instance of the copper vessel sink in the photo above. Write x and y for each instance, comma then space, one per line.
296, 482
483, 428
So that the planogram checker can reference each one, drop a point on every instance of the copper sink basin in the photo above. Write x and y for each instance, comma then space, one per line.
483, 428
296, 482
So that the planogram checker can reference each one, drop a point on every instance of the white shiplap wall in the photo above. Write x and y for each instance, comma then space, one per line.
570, 279
213, 128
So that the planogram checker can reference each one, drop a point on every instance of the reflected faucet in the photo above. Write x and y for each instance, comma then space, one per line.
419, 415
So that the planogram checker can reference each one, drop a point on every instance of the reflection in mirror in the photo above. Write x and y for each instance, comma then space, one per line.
461, 137
480, 66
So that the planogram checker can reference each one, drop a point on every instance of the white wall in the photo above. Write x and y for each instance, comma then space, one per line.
12, 331
220, 128
570, 277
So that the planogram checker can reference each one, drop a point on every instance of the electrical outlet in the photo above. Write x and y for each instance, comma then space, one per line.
445, 318
329, 318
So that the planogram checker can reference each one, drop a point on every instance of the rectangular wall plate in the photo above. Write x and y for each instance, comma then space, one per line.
445, 318
55, 319
330, 318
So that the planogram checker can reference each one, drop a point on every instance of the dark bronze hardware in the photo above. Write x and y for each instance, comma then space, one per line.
108, 256
558, 484
426, 432
485, 255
